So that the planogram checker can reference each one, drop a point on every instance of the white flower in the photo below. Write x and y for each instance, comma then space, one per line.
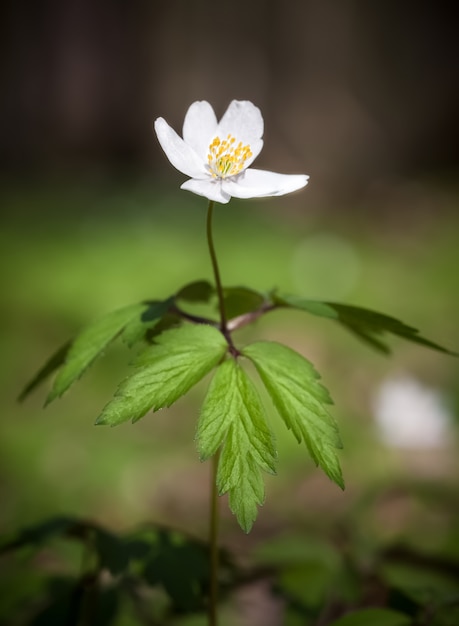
216, 155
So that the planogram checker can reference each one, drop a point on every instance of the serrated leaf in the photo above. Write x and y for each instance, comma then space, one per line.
240, 300
233, 415
366, 324
292, 383
165, 371
51, 365
373, 617
89, 344
138, 327
197, 291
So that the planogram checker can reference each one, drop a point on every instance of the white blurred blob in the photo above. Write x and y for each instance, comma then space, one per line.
325, 266
411, 415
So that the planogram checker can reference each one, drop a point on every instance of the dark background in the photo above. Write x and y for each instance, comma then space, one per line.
360, 95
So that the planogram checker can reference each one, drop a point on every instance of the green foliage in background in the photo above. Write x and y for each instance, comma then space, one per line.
157, 576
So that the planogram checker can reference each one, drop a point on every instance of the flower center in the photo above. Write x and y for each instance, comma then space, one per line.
226, 158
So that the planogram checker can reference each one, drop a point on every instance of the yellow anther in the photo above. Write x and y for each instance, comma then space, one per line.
226, 159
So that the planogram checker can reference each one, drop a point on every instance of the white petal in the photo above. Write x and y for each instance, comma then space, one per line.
199, 127
244, 121
258, 183
181, 155
211, 189
255, 148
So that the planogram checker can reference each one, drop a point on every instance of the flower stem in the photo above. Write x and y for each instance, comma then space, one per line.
213, 257
214, 511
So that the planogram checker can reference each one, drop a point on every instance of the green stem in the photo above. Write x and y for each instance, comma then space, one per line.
213, 257
214, 511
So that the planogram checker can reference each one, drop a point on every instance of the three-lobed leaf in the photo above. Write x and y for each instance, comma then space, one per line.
233, 415
165, 371
89, 344
292, 383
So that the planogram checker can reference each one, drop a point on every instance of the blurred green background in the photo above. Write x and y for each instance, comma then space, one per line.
361, 97
143, 243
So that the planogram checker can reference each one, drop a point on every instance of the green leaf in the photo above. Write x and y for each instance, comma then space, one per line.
373, 617
240, 300
138, 327
366, 324
292, 383
89, 344
198, 291
233, 415
53, 363
165, 371
321, 309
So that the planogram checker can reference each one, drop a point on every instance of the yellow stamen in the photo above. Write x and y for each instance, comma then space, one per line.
226, 158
